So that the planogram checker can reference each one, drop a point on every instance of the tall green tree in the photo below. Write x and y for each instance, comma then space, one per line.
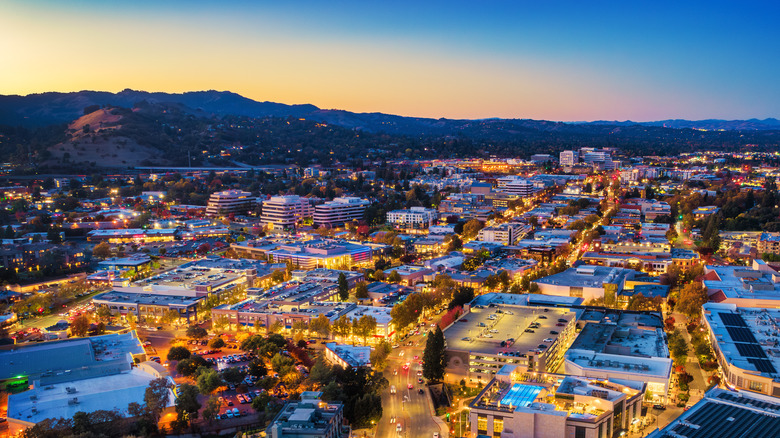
434, 356
343, 287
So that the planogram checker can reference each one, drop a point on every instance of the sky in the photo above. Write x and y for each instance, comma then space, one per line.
553, 60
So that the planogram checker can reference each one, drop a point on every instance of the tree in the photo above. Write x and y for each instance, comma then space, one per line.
187, 404
394, 277
343, 287
156, 397
453, 242
320, 325
361, 291
379, 355
471, 229
132, 320
196, 332
233, 375
102, 250
211, 410
170, 316
209, 380
257, 368
103, 313
342, 327
463, 295
217, 342
434, 356
364, 327
692, 297
79, 326
282, 364
178, 353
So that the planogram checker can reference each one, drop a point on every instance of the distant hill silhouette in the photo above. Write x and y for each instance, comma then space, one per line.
49, 108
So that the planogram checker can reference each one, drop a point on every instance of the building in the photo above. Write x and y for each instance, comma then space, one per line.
745, 341
516, 185
230, 201
757, 286
67, 376
568, 158
284, 212
586, 281
309, 417
769, 243
415, 218
309, 254
488, 337
506, 234
519, 404
133, 235
348, 356
725, 414
339, 211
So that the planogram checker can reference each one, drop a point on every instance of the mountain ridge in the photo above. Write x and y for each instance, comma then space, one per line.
42, 109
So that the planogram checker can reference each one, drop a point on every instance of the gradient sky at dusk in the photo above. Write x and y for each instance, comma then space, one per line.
564, 60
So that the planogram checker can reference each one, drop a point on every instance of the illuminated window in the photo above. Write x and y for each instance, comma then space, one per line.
756, 386
498, 426
482, 424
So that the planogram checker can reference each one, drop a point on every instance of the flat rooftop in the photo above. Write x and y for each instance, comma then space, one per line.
146, 298
483, 329
748, 337
616, 339
86, 395
68, 354
739, 282
726, 414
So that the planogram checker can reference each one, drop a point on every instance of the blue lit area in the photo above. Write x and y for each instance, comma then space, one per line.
521, 395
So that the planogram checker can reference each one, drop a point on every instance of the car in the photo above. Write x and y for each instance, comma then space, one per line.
436, 435
235, 412
419, 372
159, 328
560, 324
401, 354
392, 420
529, 331
392, 389
419, 380
548, 340
398, 427
687, 407
410, 386
229, 413
659, 407
396, 345
230, 403
542, 317
395, 372
553, 332
416, 357
463, 320
421, 391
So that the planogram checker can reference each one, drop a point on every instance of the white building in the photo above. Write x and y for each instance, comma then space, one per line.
230, 201
418, 218
284, 212
339, 211
506, 234
348, 356
516, 186
568, 158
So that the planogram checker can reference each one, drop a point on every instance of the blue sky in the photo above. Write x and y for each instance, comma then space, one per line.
567, 60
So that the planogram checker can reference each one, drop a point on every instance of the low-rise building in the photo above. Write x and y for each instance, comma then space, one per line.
412, 219
586, 281
745, 341
310, 417
348, 356
724, 413
489, 337
757, 286
519, 404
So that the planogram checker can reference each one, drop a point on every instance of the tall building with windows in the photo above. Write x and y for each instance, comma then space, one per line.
568, 158
339, 211
284, 212
516, 186
230, 201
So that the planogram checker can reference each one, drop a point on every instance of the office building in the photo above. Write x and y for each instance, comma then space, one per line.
516, 185
415, 218
586, 281
284, 212
505, 234
568, 158
756, 286
230, 201
339, 211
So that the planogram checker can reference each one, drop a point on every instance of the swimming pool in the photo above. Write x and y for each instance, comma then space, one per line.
521, 395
